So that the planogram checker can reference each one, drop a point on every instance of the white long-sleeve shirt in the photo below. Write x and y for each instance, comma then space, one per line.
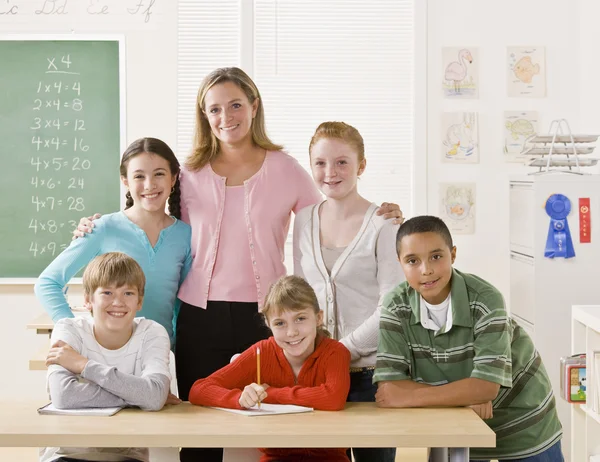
137, 374
351, 295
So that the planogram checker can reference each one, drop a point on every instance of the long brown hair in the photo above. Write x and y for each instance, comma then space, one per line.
206, 145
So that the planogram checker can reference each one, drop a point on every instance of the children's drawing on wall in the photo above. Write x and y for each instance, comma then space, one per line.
461, 76
457, 207
459, 137
518, 126
526, 71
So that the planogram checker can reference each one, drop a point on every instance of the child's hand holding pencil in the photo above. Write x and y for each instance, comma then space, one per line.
254, 393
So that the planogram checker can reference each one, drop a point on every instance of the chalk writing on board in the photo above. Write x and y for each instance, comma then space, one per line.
97, 7
143, 7
7, 9
58, 135
81, 13
53, 7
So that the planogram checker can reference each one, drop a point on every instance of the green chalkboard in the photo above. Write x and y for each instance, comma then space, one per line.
60, 141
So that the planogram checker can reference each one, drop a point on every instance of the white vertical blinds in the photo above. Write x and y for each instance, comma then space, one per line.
313, 60
347, 60
208, 38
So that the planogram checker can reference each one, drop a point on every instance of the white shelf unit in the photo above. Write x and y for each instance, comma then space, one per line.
585, 423
542, 290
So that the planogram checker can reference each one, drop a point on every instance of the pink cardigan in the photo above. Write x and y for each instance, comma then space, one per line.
278, 188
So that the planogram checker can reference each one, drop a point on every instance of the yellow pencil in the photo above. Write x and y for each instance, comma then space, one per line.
258, 371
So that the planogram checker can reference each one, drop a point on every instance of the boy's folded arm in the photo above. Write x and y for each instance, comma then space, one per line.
148, 392
67, 392
464, 392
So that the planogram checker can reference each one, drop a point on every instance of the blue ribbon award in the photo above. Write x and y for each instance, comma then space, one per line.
559, 242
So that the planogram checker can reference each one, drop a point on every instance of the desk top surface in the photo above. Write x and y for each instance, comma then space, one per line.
43, 321
185, 425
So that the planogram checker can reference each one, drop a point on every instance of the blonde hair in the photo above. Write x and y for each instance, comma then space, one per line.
340, 131
113, 269
291, 293
206, 145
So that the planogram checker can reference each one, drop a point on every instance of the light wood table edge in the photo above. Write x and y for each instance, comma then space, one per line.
180, 426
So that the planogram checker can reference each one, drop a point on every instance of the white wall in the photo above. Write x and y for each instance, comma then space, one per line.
589, 69
492, 26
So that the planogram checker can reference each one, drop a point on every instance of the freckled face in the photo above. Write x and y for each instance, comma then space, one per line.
335, 167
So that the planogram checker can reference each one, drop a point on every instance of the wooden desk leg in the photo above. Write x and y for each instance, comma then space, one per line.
449, 455
459, 455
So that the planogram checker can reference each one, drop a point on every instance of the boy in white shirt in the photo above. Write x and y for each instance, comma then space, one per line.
111, 359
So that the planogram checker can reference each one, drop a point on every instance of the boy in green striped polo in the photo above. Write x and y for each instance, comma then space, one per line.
445, 339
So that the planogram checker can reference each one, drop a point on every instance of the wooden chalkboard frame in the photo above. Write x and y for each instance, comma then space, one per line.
120, 39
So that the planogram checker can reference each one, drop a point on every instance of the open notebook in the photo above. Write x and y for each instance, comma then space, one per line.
49, 409
268, 409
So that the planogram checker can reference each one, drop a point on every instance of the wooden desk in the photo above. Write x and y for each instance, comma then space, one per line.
38, 362
42, 324
359, 425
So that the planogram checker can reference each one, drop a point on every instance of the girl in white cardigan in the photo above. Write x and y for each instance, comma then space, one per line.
348, 255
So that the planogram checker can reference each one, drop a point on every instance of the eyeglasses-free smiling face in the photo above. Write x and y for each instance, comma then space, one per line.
335, 167
114, 308
229, 112
149, 180
295, 332
427, 263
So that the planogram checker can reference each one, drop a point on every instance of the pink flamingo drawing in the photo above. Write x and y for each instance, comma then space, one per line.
456, 71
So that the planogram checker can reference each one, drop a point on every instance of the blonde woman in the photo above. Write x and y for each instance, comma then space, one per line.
347, 254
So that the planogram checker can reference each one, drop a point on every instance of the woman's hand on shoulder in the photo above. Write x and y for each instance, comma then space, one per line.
85, 226
390, 210
252, 394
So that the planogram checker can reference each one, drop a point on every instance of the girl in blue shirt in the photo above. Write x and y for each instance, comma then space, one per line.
158, 241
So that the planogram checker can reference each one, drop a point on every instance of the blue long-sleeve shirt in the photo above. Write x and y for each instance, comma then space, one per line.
165, 266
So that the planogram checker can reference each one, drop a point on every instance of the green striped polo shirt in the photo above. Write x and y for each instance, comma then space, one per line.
482, 342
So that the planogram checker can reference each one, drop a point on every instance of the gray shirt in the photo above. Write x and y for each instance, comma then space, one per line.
136, 374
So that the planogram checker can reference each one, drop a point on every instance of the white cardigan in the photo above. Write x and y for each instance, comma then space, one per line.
351, 296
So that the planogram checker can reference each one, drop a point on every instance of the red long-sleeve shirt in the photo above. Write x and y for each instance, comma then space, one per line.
323, 383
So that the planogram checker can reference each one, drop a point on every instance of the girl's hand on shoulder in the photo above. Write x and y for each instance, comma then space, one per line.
252, 394
85, 226
390, 210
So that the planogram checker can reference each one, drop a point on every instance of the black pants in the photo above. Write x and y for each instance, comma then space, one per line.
206, 341
70, 459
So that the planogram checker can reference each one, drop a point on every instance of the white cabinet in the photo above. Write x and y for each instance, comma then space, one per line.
585, 418
542, 290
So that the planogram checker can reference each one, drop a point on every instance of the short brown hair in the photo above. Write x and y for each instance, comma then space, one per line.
291, 293
340, 131
113, 269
